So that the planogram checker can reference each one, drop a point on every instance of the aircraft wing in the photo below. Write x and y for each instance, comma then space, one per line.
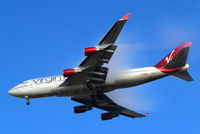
93, 63
108, 42
102, 101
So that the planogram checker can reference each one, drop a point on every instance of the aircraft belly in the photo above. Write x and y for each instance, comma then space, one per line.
71, 90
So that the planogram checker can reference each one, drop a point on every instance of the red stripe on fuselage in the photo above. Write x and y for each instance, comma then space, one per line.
169, 70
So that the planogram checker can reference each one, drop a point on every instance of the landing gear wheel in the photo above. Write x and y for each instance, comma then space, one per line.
27, 100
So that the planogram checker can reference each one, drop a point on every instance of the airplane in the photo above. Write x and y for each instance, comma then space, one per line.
88, 83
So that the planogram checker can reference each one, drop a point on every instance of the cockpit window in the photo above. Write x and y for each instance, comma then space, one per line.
24, 82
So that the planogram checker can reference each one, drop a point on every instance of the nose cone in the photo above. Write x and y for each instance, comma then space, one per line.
12, 92
16, 93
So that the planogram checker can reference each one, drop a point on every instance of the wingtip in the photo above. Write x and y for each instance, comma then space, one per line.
146, 114
189, 43
125, 17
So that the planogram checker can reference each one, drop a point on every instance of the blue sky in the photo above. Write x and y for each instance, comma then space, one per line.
41, 38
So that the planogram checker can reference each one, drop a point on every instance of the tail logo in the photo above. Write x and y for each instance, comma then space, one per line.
169, 58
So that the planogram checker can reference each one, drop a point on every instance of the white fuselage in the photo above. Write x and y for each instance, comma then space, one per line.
51, 86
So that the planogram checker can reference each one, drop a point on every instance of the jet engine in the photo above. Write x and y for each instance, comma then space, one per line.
108, 116
81, 109
92, 50
70, 72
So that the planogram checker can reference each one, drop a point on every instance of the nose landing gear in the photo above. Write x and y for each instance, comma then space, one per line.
27, 100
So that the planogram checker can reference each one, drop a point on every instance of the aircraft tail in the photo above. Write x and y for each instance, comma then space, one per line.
175, 61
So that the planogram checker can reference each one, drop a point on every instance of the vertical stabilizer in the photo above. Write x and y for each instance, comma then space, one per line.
176, 58
175, 61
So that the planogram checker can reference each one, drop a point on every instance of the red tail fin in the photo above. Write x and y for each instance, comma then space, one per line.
176, 58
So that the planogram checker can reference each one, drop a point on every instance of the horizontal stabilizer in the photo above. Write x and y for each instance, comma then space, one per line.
184, 75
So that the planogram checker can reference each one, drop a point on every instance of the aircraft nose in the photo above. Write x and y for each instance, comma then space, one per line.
11, 92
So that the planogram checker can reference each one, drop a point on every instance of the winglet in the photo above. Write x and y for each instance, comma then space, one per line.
125, 17
146, 114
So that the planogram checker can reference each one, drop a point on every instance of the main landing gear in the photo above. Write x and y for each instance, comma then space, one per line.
27, 100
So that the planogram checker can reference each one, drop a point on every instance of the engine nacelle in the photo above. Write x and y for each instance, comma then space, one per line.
81, 109
92, 50
70, 72
108, 116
